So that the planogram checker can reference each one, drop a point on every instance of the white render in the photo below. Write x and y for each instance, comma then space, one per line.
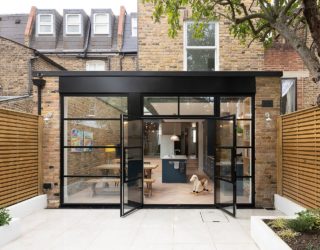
286, 206
27, 207
10, 232
264, 236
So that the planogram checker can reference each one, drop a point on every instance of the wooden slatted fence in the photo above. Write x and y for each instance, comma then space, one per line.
20, 156
299, 157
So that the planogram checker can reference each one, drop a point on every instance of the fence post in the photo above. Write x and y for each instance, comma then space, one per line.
40, 169
279, 155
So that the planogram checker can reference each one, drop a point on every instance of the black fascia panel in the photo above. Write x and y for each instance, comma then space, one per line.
235, 85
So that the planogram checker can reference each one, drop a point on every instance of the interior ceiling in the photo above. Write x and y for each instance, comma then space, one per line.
172, 108
183, 120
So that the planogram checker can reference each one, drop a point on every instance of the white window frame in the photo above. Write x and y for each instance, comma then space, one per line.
134, 29
80, 24
45, 23
95, 23
95, 63
215, 48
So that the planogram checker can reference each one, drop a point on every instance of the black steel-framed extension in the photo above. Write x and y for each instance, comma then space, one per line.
223, 89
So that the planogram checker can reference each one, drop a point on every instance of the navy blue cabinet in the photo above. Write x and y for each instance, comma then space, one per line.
174, 171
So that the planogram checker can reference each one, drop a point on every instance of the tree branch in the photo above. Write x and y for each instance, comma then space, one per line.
312, 15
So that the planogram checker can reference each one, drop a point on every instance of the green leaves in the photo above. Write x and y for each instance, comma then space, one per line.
5, 217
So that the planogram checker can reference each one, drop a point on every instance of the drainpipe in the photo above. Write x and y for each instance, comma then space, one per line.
109, 63
86, 47
40, 83
120, 62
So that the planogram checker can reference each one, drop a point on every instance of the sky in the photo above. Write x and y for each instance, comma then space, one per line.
24, 6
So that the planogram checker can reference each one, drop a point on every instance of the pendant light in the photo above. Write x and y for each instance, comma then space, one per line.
174, 137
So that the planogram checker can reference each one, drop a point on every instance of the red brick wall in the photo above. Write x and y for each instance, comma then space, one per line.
282, 57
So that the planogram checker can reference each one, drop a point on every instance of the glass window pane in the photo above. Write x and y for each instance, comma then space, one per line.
132, 194
95, 107
73, 29
200, 59
95, 65
92, 190
134, 26
133, 163
224, 133
101, 29
196, 105
102, 18
92, 161
223, 164
224, 192
243, 162
244, 190
243, 133
73, 19
92, 133
152, 137
207, 40
288, 96
45, 28
163, 105
239, 106
45, 18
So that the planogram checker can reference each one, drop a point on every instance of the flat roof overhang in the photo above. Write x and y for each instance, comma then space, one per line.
159, 82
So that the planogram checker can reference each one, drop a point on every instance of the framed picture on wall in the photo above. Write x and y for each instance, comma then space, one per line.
87, 141
76, 140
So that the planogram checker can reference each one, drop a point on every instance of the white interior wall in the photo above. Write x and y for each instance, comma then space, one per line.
166, 146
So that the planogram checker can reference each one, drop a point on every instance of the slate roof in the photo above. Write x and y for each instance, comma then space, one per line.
15, 31
13, 26
129, 42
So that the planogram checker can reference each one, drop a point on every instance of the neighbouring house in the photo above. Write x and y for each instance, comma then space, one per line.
86, 143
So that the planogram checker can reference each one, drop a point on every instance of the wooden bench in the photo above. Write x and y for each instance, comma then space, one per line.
148, 190
105, 181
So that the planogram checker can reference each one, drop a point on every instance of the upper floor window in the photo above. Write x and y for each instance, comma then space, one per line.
73, 24
45, 24
288, 95
101, 24
200, 54
95, 65
134, 26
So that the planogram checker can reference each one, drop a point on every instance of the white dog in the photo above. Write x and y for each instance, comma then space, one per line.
198, 184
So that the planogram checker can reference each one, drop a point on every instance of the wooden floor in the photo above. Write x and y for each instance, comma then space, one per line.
175, 193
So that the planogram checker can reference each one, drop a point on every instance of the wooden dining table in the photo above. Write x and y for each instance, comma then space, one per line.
116, 166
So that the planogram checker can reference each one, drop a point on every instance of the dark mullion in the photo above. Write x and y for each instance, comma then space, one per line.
244, 119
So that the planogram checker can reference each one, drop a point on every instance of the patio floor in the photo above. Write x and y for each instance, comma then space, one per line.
154, 229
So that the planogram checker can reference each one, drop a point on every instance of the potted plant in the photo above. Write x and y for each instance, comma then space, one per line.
9, 227
239, 131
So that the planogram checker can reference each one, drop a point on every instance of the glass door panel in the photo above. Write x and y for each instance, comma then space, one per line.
131, 197
224, 167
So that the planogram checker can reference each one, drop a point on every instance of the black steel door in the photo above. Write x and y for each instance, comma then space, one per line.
224, 163
131, 189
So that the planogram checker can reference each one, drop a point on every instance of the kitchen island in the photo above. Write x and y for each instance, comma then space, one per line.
174, 169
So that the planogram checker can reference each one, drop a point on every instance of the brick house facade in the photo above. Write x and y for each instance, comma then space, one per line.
154, 52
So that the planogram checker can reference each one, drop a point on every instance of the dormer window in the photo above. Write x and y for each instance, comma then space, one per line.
134, 26
45, 24
73, 24
101, 24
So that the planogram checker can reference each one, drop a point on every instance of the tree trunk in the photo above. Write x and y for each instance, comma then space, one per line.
310, 60
312, 14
